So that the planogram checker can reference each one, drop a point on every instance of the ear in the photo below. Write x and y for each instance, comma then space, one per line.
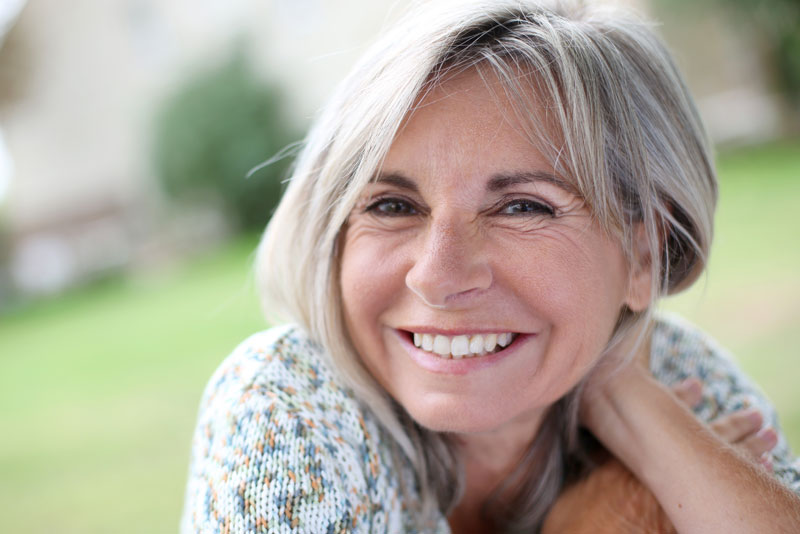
640, 288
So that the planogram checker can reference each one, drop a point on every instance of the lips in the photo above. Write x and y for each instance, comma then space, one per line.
448, 364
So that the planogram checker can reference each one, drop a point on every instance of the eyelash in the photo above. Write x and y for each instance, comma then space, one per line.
534, 208
407, 208
376, 205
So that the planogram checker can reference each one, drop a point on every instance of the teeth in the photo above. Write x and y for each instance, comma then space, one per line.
489, 342
503, 339
441, 345
476, 344
462, 346
459, 346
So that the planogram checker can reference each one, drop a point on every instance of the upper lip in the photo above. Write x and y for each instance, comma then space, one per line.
460, 331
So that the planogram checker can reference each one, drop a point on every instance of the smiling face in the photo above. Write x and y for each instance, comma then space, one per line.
467, 236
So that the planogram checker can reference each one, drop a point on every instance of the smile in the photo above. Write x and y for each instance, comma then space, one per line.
462, 346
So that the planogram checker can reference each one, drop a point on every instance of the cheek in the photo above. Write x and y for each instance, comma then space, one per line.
369, 277
570, 275
576, 287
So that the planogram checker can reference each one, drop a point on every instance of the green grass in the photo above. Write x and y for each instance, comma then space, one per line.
99, 388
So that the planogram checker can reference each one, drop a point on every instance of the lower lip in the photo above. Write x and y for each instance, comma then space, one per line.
435, 364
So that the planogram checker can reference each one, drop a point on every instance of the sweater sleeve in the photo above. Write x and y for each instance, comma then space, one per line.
259, 463
681, 351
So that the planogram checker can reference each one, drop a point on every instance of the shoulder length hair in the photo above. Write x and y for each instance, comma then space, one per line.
619, 123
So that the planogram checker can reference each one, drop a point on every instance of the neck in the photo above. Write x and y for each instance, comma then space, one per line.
489, 458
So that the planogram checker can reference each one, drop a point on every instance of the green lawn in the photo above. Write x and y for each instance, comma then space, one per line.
99, 389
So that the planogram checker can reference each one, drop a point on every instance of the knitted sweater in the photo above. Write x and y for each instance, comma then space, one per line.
282, 446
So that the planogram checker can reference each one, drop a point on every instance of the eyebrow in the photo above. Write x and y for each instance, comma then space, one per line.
397, 180
501, 181
496, 183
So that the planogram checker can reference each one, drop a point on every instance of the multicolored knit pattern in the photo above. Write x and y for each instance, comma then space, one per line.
282, 446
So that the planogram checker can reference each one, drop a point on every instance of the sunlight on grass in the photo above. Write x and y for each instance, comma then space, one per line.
99, 391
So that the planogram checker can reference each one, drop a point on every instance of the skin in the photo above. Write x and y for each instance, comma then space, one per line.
454, 257
444, 242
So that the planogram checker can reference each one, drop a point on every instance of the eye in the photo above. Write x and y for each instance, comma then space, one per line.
524, 206
391, 207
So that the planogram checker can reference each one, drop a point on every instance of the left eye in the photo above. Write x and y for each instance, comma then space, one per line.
525, 206
391, 207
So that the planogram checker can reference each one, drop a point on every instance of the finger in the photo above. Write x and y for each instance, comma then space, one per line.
761, 442
689, 391
738, 426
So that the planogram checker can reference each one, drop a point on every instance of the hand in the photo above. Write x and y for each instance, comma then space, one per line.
744, 428
612, 500
618, 371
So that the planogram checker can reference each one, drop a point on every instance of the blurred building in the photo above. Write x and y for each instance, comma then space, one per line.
80, 82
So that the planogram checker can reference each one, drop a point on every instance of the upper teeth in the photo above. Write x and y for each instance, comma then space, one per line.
463, 346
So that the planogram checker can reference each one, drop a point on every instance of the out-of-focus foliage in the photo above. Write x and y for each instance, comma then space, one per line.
7, 294
213, 131
776, 26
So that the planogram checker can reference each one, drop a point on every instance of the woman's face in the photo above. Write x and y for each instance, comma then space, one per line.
467, 238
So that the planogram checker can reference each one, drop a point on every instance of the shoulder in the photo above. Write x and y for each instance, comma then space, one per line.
681, 350
282, 445
282, 363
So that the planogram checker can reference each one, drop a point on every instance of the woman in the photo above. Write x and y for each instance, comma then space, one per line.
471, 247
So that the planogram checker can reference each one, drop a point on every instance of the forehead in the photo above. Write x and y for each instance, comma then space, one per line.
467, 129
474, 101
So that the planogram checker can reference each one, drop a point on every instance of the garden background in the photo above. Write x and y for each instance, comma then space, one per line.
102, 366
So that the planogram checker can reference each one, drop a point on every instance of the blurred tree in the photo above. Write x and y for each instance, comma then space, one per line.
778, 25
16, 61
775, 24
213, 131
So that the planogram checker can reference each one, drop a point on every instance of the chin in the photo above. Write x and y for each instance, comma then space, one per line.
446, 415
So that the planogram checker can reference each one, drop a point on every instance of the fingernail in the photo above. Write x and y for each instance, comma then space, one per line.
768, 436
754, 417
692, 389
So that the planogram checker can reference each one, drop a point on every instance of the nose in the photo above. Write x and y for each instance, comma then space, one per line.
450, 269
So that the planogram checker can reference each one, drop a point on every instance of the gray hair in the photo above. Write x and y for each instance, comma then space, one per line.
618, 122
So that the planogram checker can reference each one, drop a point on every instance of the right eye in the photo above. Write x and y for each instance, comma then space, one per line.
391, 207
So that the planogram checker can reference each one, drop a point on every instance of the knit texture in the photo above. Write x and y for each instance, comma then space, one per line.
282, 446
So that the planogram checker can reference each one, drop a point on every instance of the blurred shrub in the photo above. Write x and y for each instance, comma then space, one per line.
8, 296
213, 131
776, 26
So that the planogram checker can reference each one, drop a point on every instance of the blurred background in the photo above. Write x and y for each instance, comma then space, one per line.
127, 226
